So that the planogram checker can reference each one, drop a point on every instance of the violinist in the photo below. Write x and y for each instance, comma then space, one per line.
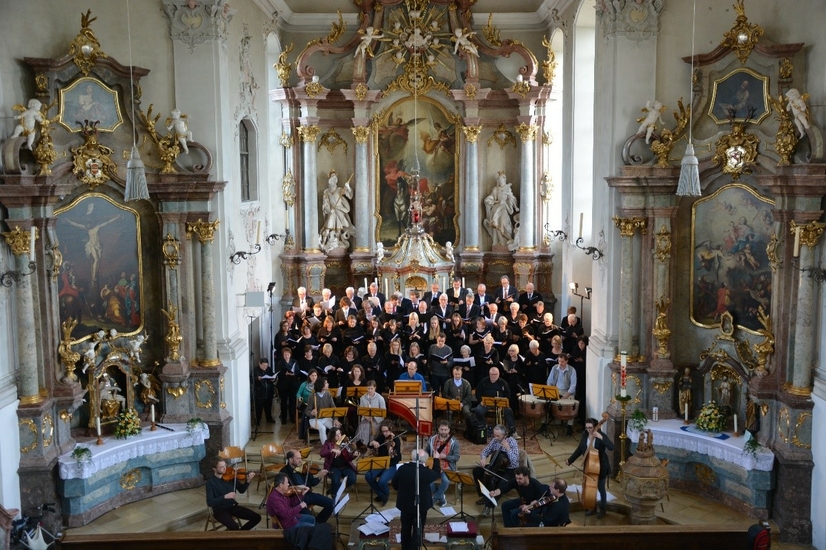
595, 438
445, 449
530, 492
557, 513
303, 484
221, 491
285, 503
504, 459
386, 444
338, 460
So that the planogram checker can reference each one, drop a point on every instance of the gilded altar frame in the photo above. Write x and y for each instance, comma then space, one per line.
98, 103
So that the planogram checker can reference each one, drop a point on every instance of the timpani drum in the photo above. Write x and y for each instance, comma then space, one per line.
565, 409
531, 406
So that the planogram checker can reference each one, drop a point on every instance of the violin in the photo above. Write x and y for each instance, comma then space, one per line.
544, 501
309, 468
239, 475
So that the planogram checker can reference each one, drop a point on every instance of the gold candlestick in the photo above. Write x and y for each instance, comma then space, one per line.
623, 436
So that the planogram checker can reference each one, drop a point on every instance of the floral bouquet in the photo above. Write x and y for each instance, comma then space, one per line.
711, 419
194, 424
128, 423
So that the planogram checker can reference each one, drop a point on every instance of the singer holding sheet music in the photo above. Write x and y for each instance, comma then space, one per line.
264, 391
440, 360
287, 384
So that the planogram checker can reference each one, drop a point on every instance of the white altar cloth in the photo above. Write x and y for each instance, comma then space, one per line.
668, 433
115, 451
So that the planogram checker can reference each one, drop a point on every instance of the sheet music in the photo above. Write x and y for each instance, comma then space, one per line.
486, 494
341, 504
374, 528
340, 492
447, 511
459, 526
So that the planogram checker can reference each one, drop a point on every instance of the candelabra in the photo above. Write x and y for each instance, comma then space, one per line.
582, 297
275, 237
816, 273
623, 436
11, 275
554, 234
591, 251
243, 255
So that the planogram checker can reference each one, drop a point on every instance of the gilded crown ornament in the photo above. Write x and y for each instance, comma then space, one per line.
92, 161
85, 47
743, 36
629, 226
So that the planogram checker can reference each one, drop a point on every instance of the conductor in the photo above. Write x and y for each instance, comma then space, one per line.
404, 482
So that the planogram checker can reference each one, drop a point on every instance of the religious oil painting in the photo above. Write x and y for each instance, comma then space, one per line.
730, 269
101, 279
405, 130
92, 100
740, 95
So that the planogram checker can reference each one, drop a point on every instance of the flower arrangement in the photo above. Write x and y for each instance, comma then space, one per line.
752, 447
638, 421
194, 424
128, 423
712, 418
81, 454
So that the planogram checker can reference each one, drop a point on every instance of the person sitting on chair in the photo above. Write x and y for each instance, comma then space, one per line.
564, 378
457, 388
221, 495
530, 491
558, 513
304, 483
494, 386
504, 453
386, 444
338, 461
287, 506
412, 376
444, 449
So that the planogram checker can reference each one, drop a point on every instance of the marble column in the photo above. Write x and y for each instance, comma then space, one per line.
19, 241
805, 322
471, 207
206, 236
627, 227
362, 242
309, 187
527, 189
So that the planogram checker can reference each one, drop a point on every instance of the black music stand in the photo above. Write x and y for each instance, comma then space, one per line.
365, 465
461, 480
548, 394
497, 403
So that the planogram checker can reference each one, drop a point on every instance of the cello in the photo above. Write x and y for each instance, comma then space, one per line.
590, 470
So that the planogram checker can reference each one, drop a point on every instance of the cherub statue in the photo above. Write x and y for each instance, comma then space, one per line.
180, 127
149, 388
135, 347
797, 105
368, 36
379, 252
89, 356
28, 117
462, 39
449, 250
648, 122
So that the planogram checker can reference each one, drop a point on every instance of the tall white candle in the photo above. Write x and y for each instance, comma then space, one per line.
463, 283
581, 217
152, 412
258, 234
32, 238
735, 423
365, 284
686, 412
97, 425
796, 241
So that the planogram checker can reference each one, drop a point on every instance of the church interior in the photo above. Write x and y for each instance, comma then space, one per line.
647, 172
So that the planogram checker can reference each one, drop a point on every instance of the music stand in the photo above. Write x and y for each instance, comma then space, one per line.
365, 465
449, 405
547, 393
374, 412
497, 403
407, 387
461, 480
355, 391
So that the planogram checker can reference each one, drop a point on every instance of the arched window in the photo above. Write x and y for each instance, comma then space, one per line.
248, 148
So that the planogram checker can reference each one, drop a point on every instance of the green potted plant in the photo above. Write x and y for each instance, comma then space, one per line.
752, 447
81, 454
638, 421
194, 424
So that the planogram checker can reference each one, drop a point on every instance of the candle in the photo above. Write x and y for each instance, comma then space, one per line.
686, 412
152, 412
796, 241
258, 234
623, 366
581, 217
365, 284
520, 78
735, 423
97, 425
463, 283
623, 392
32, 238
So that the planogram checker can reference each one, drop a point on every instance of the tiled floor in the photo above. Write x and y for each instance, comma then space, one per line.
186, 510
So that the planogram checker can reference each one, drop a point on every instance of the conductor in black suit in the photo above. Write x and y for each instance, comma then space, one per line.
404, 482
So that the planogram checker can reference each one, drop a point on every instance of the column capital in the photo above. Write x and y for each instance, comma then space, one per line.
214, 16
810, 233
205, 230
472, 132
361, 133
20, 241
527, 131
628, 226
308, 133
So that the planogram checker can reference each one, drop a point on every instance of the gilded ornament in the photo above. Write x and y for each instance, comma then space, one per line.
331, 140
470, 91
661, 331
168, 148
662, 240
743, 36
204, 401
797, 390
130, 479
313, 88
308, 133
502, 136
288, 188
726, 327
491, 33
42, 84
286, 140
527, 131
173, 336
547, 138
736, 151
65, 415
771, 252
743, 349
176, 392
47, 430
662, 147
336, 30
28, 423
205, 230
57, 261
785, 140
704, 474
361, 91
801, 419
68, 356
472, 132
521, 88
628, 226
44, 152
283, 67
361, 134
20, 241
85, 47
661, 387
810, 233
786, 68
171, 250
92, 163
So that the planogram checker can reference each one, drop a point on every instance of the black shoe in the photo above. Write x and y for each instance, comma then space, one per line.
379, 499
481, 501
570, 430
270, 421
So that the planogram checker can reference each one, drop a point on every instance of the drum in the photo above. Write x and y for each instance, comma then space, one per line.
565, 409
531, 406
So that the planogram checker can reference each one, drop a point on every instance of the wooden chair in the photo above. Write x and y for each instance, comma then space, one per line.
233, 455
272, 461
213, 524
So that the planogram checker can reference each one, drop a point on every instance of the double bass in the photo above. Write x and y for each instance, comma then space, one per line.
590, 471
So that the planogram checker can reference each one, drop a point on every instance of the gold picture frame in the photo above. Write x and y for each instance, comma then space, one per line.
737, 90
89, 99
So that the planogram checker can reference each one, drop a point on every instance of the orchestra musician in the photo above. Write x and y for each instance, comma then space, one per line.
558, 513
320, 399
410, 375
338, 460
494, 386
385, 444
599, 441
287, 505
530, 490
445, 450
370, 424
458, 388
303, 484
564, 378
404, 481
504, 459
221, 491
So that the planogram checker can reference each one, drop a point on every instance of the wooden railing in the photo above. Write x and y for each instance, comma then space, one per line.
623, 537
210, 540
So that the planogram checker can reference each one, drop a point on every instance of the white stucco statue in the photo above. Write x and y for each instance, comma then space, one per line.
109, 390
648, 122
369, 35
180, 127
379, 252
29, 117
89, 356
449, 250
500, 205
462, 39
336, 209
135, 347
797, 105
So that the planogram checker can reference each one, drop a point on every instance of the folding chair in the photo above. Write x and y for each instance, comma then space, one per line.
272, 461
213, 524
233, 455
